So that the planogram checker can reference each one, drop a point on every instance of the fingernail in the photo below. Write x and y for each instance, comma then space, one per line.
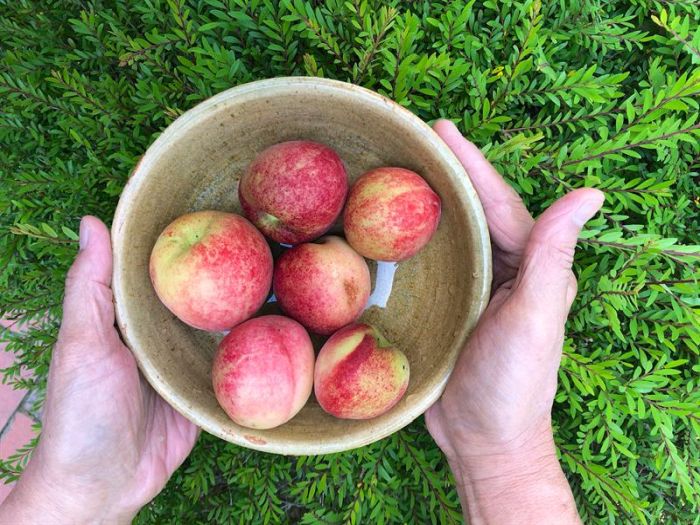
588, 208
84, 234
444, 122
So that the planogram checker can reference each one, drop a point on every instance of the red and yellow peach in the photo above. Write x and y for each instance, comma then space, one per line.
263, 371
294, 191
359, 374
211, 269
323, 285
391, 214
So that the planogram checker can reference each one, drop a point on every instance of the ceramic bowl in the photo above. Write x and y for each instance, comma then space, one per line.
427, 305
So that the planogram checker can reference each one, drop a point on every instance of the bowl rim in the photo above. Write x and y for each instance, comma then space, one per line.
285, 85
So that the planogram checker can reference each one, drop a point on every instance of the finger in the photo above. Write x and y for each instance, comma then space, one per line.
545, 281
508, 219
88, 313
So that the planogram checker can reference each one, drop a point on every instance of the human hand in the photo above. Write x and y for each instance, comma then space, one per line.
109, 443
493, 421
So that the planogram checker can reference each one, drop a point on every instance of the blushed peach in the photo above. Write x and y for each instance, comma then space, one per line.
294, 191
323, 285
263, 371
359, 374
391, 214
211, 269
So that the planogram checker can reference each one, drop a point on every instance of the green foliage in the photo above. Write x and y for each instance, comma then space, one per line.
558, 94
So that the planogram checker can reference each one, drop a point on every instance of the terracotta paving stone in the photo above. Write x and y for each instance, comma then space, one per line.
15, 436
15, 427
10, 400
5, 491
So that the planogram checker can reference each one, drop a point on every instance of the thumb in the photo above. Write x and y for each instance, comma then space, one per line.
545, 281
88, 313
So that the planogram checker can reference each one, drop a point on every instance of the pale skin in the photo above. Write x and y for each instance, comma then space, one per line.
110, 443
493, 421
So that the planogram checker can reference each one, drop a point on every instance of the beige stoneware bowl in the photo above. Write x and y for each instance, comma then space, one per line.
427, 305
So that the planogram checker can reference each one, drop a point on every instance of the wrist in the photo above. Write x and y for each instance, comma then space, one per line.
43, 497
515, 479
516, 488
496, 469
468, 450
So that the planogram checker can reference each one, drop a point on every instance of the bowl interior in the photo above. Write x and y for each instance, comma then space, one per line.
426, 305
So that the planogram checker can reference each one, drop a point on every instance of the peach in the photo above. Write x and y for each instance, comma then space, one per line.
323, 285
263, 371
294, 191
211, 269
391, 214
359, 374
